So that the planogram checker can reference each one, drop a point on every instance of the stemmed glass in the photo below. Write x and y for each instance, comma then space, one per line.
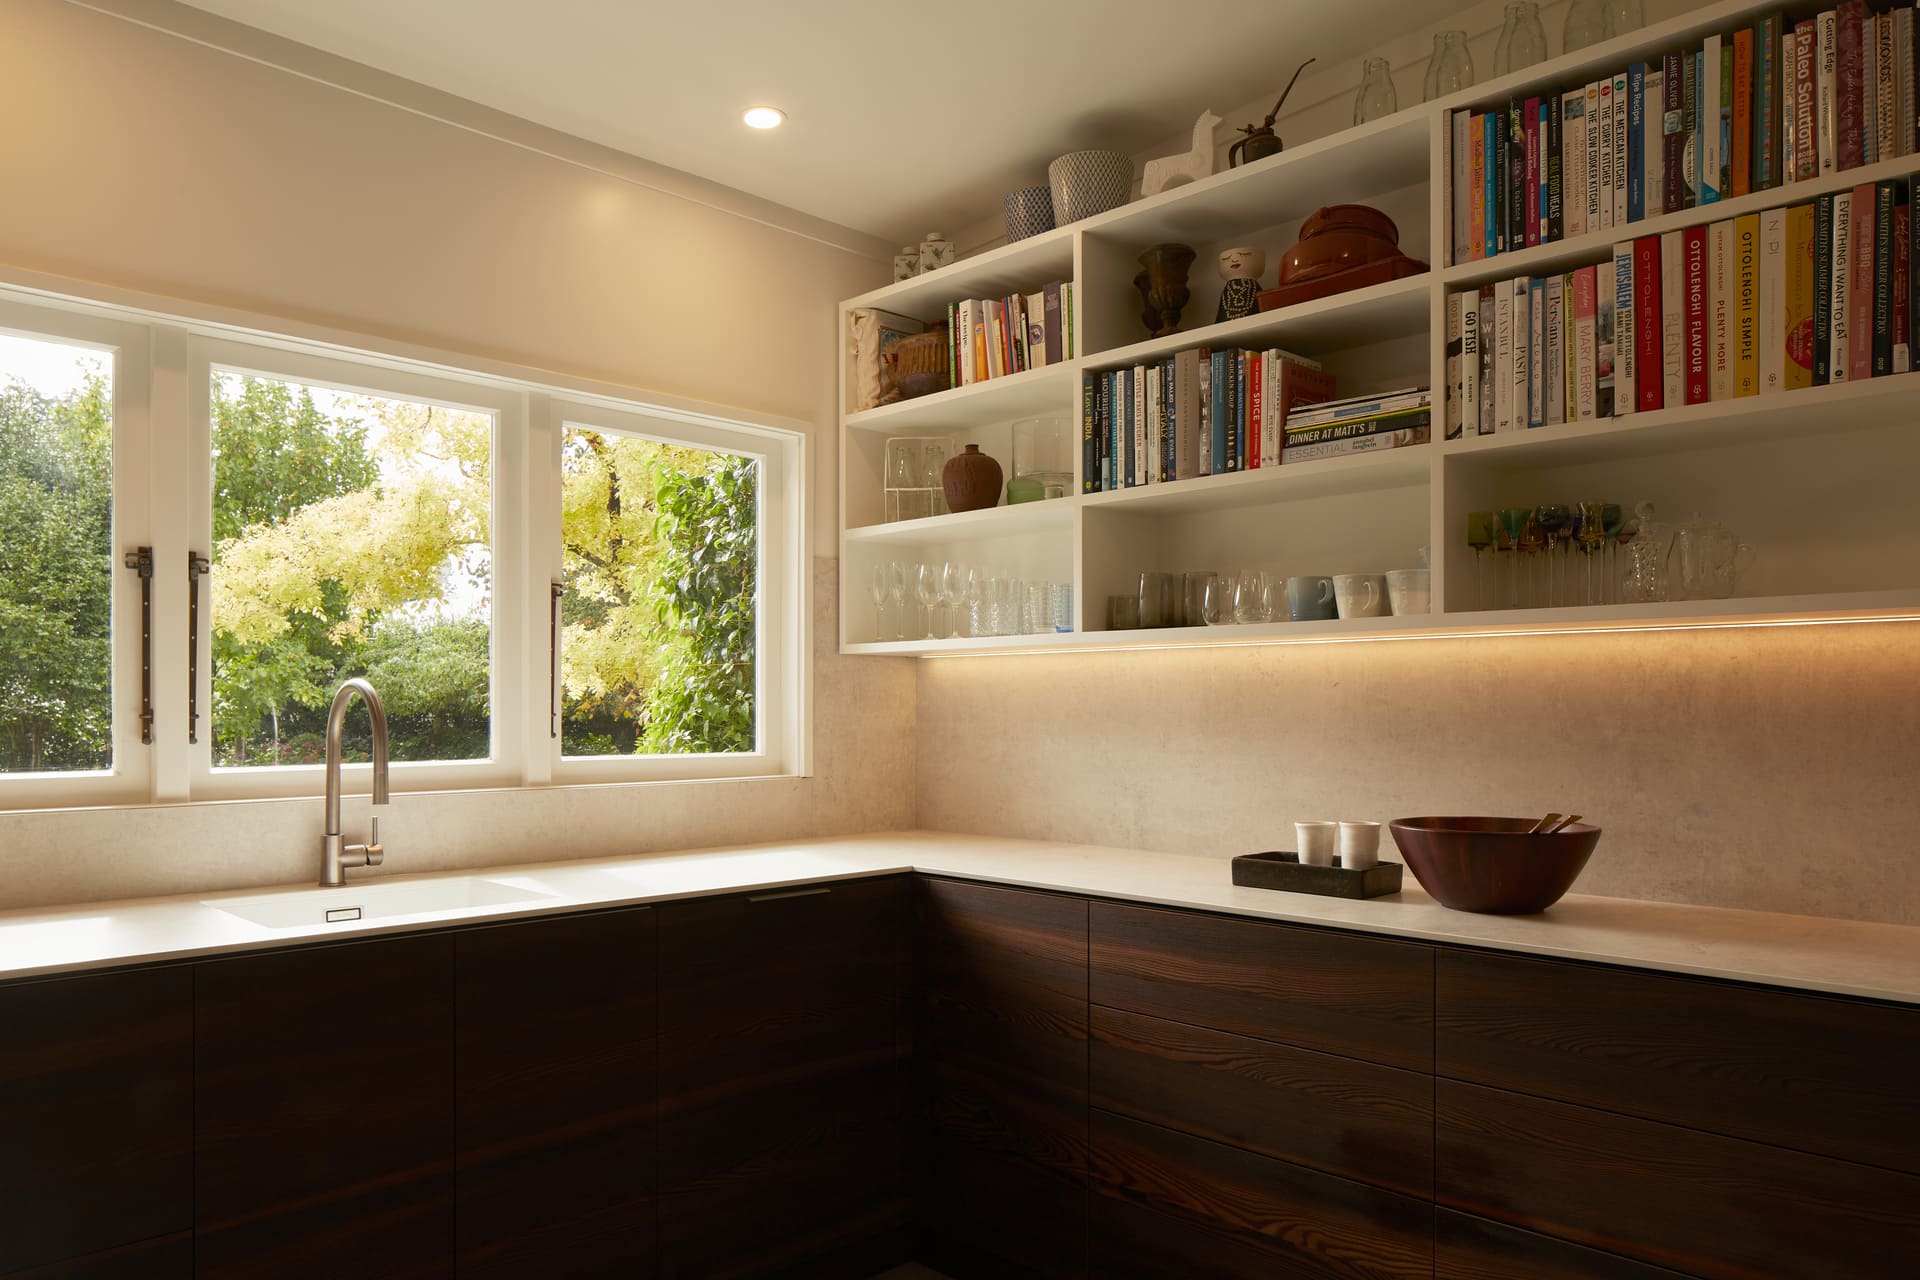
1483, 530
897, 591
1592, 539
1555, 520
1612, 519
926, 589
1513, 523
877, 589
951, 588
1533, 540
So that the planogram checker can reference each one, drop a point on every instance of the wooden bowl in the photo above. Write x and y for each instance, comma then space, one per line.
1493, 865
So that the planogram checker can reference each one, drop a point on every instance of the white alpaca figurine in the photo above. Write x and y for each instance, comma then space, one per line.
1171, 171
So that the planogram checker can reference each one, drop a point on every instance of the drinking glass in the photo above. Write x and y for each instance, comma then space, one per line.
877, 587
1156, 599
1587, 24
1513, 523
926, 589
897, 592
933, 466
1612, 519
1451, 67
1217, 605
1533, 540
979, 613
1592, 539
1123, 613
1376, 97
1483, 530
1195, 592
1250, 597
1555, 519
1006, 606
1523, 41
952, 588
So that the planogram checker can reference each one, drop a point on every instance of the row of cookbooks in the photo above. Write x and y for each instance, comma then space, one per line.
1203, 412
1754, 109
1801, 296
993, 337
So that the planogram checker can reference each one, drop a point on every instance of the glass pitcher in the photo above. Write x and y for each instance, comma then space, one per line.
1708, 559
1647, 549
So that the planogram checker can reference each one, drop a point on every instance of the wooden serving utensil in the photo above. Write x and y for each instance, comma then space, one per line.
1564, 823
1541, 826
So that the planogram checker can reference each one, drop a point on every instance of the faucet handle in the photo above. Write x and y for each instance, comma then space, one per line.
376, 852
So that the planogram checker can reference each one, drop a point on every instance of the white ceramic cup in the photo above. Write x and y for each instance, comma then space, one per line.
1410, 591
1360, 595
1315, 842
1359, 845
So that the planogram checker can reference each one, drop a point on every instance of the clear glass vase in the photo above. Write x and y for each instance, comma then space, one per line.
1523, 41
1587, 24
1451, 67
1376, 97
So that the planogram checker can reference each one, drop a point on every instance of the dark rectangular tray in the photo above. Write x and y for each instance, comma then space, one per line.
1285, 871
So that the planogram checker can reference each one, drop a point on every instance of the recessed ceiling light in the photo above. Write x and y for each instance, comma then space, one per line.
764, 117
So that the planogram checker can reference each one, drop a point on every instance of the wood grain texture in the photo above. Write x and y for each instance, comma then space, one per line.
1333, 992
1781, 1067
556, 1084
784, 1057
1337, 1115
1001, 1049
96, 1113
323, 1089
168, 1257
1466, 1248
1127, 1241
1312, 1224
1695, 1202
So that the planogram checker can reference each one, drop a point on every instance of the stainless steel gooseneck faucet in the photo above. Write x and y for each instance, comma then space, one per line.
335, 858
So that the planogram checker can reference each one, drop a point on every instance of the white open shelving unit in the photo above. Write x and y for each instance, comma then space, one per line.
1821, 482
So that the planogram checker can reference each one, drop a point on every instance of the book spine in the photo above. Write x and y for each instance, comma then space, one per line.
1536, 352
1720, 301
1219, 411
1869, 89
1142, 429
1673, 193
1398, 439
1569, 350
1690, 130
1595, 127
1256, 406
1740, 162
1495, 155
1725, 187
1488, 380
1460, 157
1553, 194
1186, 411
1051, 306
1903, 75
1673, 319
1902, 294
1469, 307
1530, 128
1840, 313
1652, 135
1849, 90
1709, 167
1150, 426
1555, 374
1370, 426
1860, 242
1789, 132
1476, 190
1823, 290
1089, 397
1102, 471
1130, 459
1516, 198
1456, 350
1827, 88
1069, 326
1636, 142
1620, 133
1746, 305
1522, 353
1881, 357
1772, 301
1884, 100
1806, 113
1605, 353
1699, 383
1626, 343
1586, 352
1573, 142
1766, 102
1503, 358
1649, 382
1605, 183
1797, 300
1169, 409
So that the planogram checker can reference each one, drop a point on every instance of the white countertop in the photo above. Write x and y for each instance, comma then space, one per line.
1879, 961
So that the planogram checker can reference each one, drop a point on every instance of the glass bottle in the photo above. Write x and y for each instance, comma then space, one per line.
1624, 16
1523, 41
1451, 68
1588, 23
1376, 97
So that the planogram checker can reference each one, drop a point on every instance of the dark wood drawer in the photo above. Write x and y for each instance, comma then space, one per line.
1359, 997
1696, 1202
1129, 1242
1339, 1115
96, 1113
1310, 1224
165, 1258
1816, 1073
1468, 1248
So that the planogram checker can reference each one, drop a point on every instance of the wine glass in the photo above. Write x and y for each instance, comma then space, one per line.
897, 592
1483, 530
1612, 521
1533, 540
926, 589
952, 587
1592, 538
877, 589
1555, 519
1513, 522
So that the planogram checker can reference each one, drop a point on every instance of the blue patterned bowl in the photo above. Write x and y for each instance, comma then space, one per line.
1029, 212
1088, 182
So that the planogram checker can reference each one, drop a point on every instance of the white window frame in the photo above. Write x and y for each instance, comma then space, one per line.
782, 585
128, 781
505, 763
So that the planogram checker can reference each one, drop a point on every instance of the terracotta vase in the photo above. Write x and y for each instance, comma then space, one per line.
1163, 287
971, 480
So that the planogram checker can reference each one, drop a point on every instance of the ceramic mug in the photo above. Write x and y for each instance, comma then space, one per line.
1359, 845
1360, 595
1315, 841
1410, 591
1309, 599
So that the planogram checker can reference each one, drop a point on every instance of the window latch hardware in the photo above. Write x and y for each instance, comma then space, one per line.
198, 566
140, 560
553, 663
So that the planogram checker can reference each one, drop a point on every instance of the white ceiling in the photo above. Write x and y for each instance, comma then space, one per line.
902, 117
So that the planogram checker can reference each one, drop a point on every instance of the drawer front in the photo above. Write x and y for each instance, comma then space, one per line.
164, 1258
1130, 1242
1338, 1115
1468, 1248
1773, 1066
1696, 1202
1308, 1223
1357, 997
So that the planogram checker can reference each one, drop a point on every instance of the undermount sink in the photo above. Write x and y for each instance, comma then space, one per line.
302, 908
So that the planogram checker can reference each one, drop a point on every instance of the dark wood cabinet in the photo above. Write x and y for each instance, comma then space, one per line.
556, 1081
323, 1093
1696, 1202
1790, 1069
162, 1258
1315, 988
1468, 1248
1001, 1051
96, 1116
784, 1047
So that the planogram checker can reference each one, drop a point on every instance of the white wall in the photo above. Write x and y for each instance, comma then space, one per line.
280, 182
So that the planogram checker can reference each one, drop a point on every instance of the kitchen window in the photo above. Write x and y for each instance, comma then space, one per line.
545, 584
